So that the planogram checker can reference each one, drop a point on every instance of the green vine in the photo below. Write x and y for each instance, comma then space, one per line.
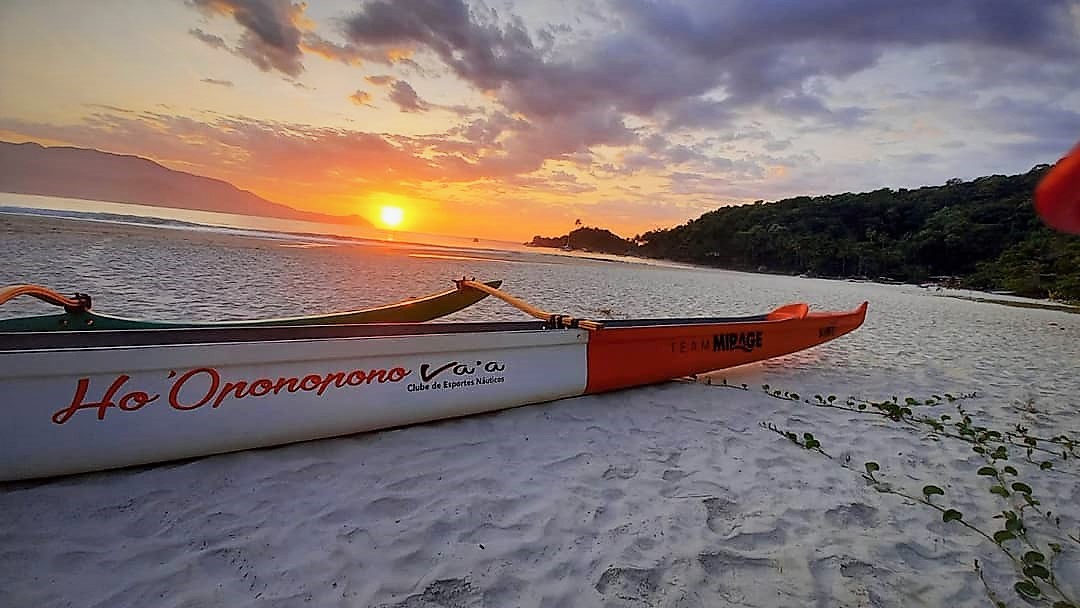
1022, 510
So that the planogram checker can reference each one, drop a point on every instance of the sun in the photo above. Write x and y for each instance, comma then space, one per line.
391, 216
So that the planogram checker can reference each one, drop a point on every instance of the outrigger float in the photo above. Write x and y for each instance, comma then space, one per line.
77, 315
75, 402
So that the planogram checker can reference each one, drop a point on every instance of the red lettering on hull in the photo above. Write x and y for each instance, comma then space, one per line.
129, 402
197, 387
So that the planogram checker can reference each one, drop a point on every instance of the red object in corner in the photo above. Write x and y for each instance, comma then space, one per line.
1057, 197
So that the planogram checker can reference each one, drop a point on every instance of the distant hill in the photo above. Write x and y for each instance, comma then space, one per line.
588, 239
981, 233
31, 168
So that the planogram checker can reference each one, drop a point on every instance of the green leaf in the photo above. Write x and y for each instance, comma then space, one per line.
946, 417
812, 443
1031, 441
1000, 491
1037, 571
988, 471
795, 396
911, 401
1023, 488
1033, 557
862, 406
871, 467
1010, 470
951, 515
1013, 525
1056, 548
831, 398
929, 491
1027, 589
1003, 535
1063, 604
1046, 464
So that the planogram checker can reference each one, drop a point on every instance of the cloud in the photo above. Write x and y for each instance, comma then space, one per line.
381, 80
272, 31
361, 98
402, 94
217, 82
699, 64
216, 42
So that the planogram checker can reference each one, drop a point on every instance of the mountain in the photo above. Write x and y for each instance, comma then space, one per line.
30, 168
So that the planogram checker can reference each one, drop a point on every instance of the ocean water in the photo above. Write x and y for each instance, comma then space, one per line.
664, 496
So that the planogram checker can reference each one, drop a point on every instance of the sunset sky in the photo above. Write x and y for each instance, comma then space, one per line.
508, 119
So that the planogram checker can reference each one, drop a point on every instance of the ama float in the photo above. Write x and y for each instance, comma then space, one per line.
78, 401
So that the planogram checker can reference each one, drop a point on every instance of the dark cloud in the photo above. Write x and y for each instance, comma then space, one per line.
699, 64
478, 48
272, 32
215, 41
487, 131
405, 97
217, 82
1041, 131
720, 30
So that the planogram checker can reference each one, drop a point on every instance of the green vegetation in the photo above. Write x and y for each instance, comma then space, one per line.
984, 232
1020, 525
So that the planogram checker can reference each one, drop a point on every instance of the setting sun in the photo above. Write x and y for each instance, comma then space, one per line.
391, 216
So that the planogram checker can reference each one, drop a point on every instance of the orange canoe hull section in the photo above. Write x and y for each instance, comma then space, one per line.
622, 357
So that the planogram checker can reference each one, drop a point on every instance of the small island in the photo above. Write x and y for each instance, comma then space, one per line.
591, 240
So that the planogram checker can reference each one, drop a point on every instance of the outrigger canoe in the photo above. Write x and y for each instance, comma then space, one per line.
77, 315
85, 401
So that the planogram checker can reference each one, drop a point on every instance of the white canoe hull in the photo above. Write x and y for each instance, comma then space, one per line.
78, 410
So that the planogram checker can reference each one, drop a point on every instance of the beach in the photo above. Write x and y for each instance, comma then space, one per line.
674, 495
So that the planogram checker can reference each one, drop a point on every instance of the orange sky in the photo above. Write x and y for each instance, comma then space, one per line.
514, 122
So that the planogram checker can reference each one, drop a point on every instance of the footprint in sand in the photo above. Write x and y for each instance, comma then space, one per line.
444, 593
854, 515
614, 472
630, 583
719, 514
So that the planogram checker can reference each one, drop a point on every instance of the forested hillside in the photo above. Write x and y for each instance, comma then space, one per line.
983, 231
